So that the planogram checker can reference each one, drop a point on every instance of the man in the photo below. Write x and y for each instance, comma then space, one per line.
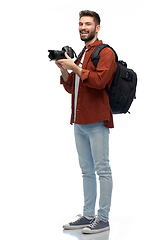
92, 118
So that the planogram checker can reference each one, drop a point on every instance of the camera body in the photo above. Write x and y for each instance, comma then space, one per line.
56, 55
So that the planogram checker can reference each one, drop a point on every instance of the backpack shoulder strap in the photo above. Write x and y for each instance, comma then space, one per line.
95, 54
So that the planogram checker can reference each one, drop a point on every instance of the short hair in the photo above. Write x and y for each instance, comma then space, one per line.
91, 14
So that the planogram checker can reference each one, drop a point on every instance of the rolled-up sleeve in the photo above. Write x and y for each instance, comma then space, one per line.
68, 84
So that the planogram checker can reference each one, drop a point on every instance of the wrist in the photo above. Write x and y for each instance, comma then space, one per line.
76, 69
65, 75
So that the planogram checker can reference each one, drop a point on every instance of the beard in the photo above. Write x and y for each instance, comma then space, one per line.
90, 36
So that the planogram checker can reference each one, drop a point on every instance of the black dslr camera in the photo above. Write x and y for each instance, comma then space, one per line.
56, 55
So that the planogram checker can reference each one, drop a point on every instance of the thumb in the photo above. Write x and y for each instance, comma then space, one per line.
66, 55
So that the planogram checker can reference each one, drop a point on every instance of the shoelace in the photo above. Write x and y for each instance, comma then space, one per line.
94, 224
80, 217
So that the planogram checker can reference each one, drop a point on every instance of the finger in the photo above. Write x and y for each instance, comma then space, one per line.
59, 61
59, 65
66, 55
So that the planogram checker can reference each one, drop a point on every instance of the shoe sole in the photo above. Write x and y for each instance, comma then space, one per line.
69, 227
89, 231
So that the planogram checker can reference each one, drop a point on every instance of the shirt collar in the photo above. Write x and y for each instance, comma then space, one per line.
95, 44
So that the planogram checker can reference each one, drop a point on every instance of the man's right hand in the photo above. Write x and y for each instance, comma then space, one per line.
64, 72
59, 65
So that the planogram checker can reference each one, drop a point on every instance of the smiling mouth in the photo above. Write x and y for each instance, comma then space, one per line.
84, 32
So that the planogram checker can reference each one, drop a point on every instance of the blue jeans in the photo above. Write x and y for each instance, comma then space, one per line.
92, 143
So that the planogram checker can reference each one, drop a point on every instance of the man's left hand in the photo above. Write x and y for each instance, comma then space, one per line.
66, 63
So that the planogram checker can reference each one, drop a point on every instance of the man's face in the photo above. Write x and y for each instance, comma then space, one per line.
87, 28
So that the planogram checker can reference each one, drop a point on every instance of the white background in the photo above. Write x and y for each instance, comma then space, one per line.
40, 180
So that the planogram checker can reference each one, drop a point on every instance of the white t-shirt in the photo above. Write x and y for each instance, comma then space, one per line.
77, 80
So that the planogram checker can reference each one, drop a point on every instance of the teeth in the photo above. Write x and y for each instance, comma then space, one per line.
84, 32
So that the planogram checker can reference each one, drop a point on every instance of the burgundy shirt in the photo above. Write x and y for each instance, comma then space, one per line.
93, 101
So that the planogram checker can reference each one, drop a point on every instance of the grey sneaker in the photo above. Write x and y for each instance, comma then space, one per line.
81, 222
97, 226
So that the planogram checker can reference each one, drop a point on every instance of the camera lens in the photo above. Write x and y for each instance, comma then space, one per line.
56, 55
51, 55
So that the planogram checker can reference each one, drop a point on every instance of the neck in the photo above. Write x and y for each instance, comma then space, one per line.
91, 41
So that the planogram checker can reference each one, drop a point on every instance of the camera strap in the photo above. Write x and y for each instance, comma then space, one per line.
81, 53
79, 56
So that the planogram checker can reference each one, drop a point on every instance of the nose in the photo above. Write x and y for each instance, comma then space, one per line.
83, 26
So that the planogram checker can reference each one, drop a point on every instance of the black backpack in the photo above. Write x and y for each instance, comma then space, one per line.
123, 87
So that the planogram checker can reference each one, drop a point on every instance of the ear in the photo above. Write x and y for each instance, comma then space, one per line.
97, 28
